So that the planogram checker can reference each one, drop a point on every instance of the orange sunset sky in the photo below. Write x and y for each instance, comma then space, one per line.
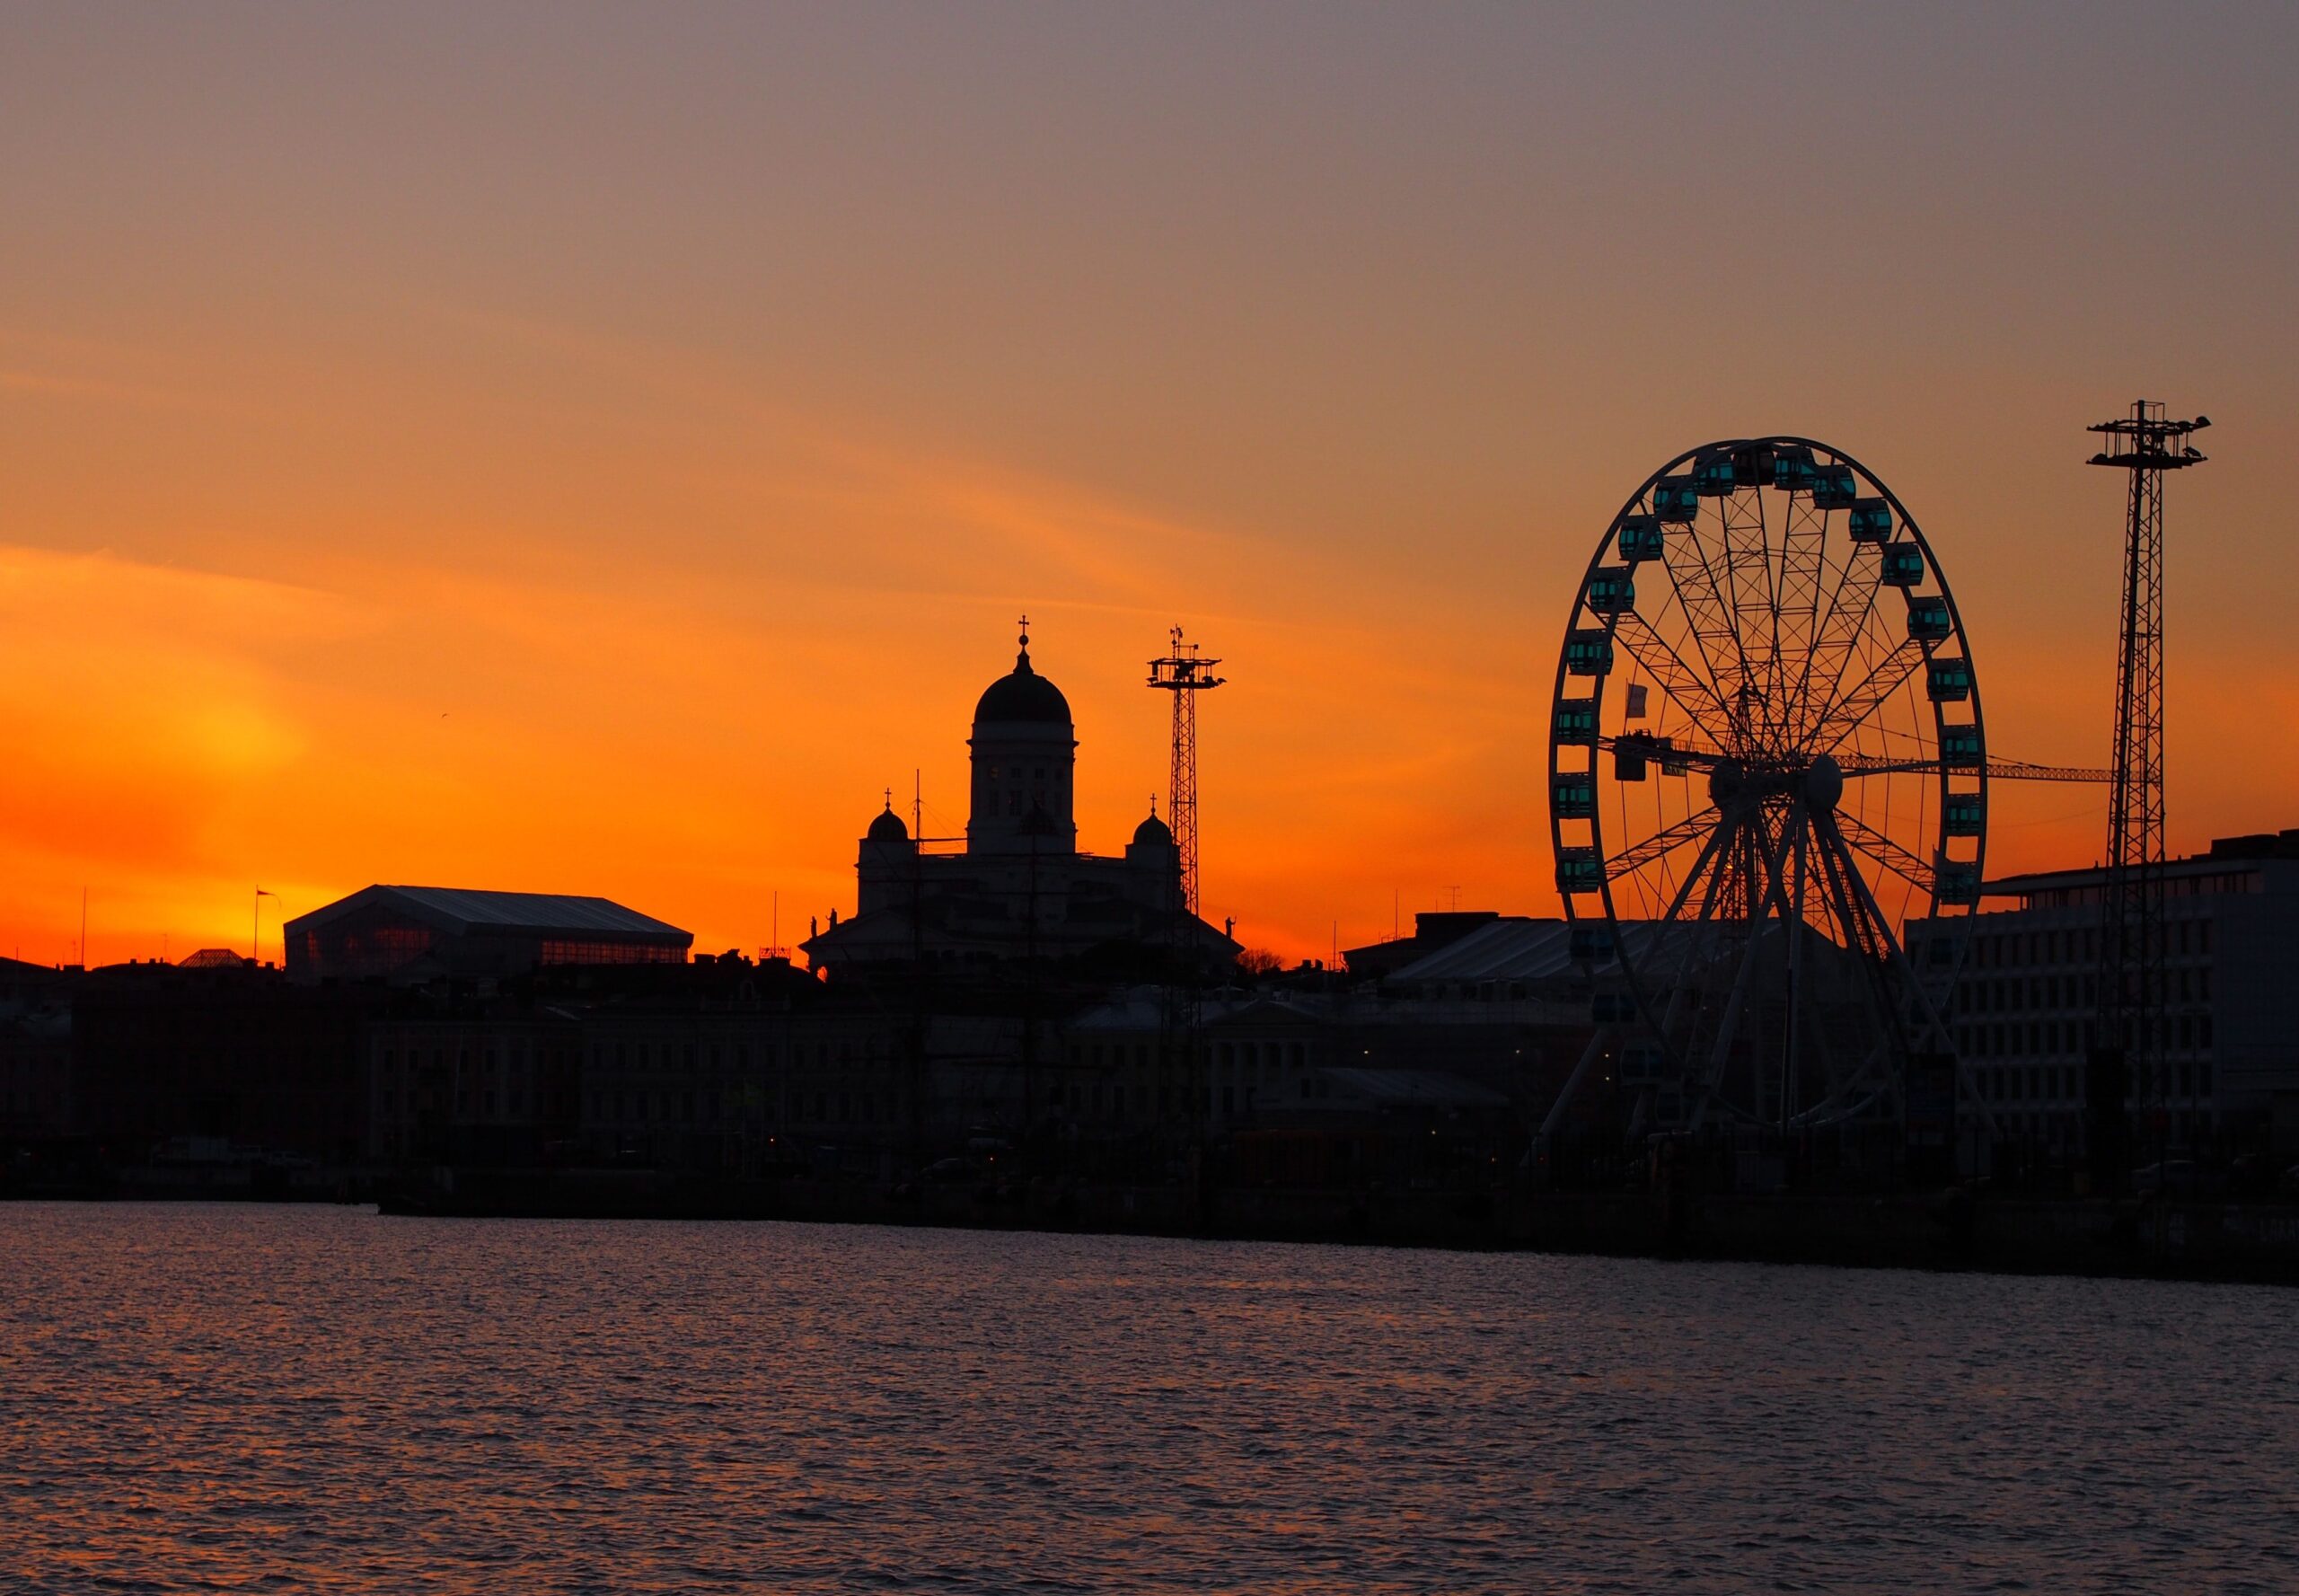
598, 450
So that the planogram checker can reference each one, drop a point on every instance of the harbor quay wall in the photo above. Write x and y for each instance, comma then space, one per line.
1950, 1229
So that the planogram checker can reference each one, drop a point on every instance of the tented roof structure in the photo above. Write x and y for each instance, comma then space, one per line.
459, 911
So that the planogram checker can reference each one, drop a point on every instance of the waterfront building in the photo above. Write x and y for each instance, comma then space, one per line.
493, 1082
413, 934
2229, 1048
233, 1056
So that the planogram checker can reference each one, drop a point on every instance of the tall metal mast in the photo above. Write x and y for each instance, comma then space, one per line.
1184, 676
2127, 1042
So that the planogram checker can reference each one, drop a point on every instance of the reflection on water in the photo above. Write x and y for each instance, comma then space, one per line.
325, 1399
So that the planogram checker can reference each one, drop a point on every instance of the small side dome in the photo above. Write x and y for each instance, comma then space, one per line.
886, 826
1153, 833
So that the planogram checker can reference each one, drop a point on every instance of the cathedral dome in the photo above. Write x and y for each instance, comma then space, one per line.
1153, 833
1023, 695
886, 826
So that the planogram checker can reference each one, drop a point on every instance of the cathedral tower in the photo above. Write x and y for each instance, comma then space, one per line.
1025, 751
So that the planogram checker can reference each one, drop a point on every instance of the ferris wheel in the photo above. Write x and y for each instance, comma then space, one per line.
1768, 782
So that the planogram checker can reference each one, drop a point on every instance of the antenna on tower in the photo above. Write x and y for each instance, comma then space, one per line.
1185, 674
2127, 1043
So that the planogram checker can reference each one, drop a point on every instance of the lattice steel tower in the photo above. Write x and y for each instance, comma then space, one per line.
1184, 676
2127, 1043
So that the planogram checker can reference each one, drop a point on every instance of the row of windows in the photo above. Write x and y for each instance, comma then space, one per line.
690, 1055
421, 1101
2043, 1038
2219, 884
518, 1050
2064, 1127
709, 1107
1098, 1053
2189, 1078
1480, 991
1996, 950
1310, 1088
2020, 992
555, 952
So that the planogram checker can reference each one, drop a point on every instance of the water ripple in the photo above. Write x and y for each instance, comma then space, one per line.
320, 1399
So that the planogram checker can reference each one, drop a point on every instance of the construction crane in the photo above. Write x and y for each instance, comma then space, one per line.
2128, 1041
1185, 674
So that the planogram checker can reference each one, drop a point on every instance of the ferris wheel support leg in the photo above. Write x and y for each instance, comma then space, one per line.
1792, 1019
1794, 845
1596, 1039
1679, 987
1859, 937
1935, 1027
1709, 849
1740, 984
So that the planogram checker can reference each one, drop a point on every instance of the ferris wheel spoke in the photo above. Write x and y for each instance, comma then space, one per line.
1845, 623
1693, 694
1885, 851
1710, 620
1661, 843
1756, 601
1851, 710
1803, 563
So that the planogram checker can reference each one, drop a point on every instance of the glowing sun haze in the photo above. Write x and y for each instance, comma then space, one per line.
598, 450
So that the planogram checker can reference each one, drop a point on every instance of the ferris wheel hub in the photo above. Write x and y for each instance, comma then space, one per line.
1823, 784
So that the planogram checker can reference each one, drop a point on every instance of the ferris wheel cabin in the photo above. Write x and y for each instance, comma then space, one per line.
1948, 681
1639, 538
1870, 520
1612, 590
1793, 468
1674, 500
1953, 883
1928, 620
1903, 566
1579, 869
1963, 815
1588, 654
1834, 487
1576, 721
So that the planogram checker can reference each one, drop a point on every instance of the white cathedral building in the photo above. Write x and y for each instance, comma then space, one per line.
1021, 890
